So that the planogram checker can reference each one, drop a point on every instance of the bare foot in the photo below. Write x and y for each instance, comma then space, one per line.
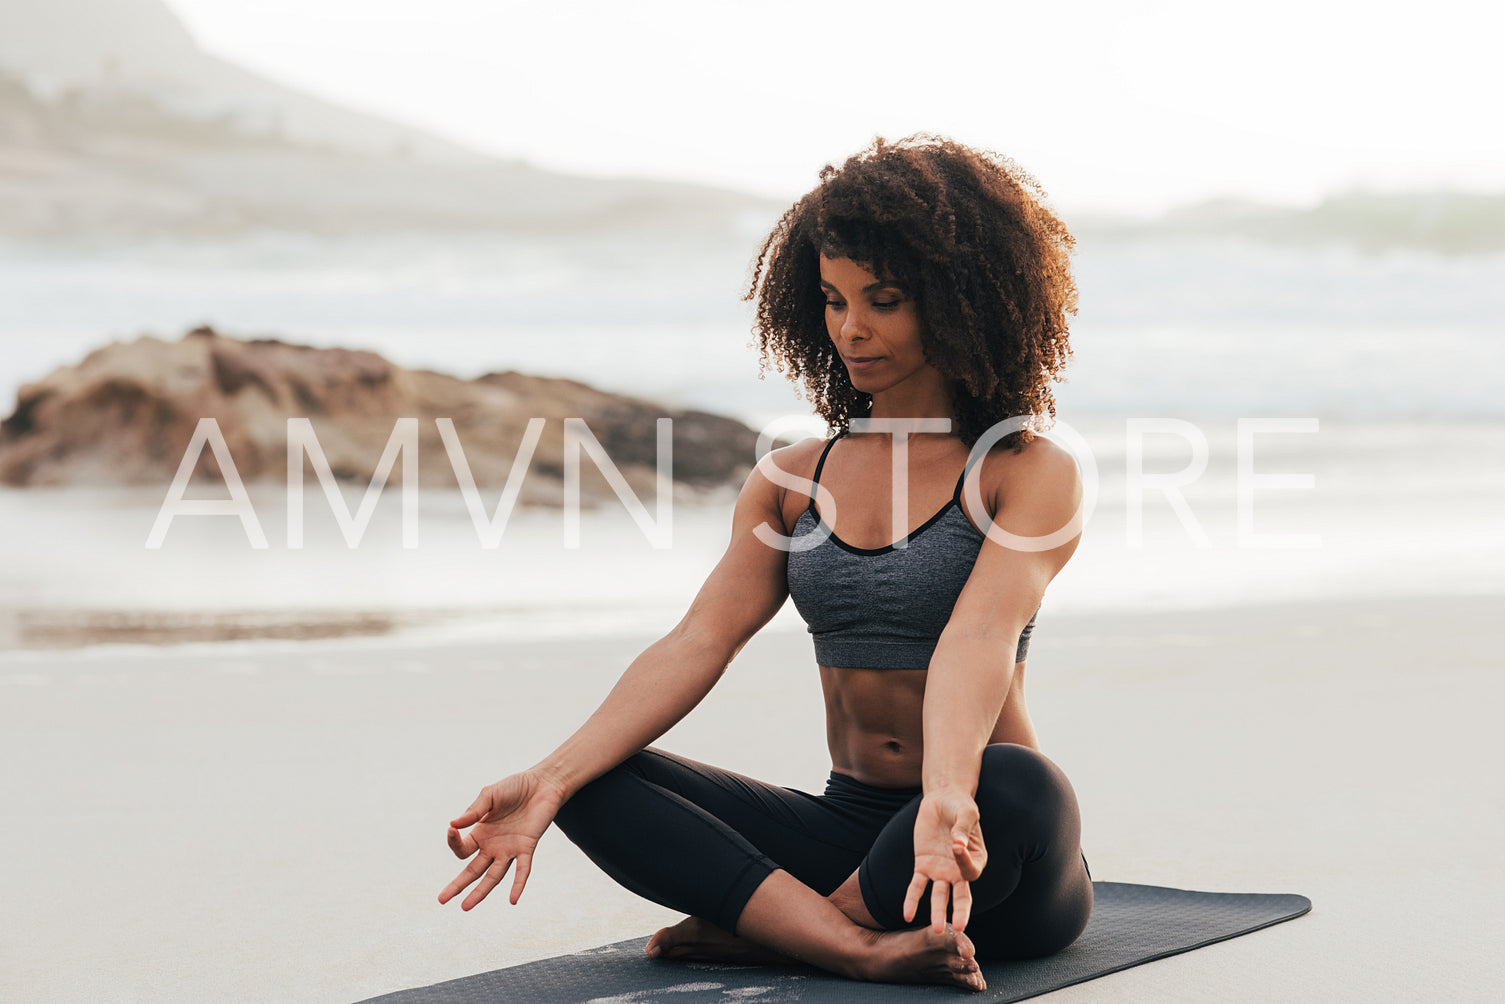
919, 956
922, 956
696, 940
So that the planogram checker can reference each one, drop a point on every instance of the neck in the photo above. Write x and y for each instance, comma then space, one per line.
908, 401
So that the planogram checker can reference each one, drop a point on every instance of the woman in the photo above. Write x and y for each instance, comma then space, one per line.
921, 287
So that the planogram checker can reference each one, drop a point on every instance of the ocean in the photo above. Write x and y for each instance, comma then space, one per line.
1387, 370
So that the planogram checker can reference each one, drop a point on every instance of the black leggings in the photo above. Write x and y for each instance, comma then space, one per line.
701, 840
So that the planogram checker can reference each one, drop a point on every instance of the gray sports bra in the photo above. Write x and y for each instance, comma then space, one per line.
885, 607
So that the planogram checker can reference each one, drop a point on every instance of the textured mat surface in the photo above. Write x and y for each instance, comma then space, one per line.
1131, 924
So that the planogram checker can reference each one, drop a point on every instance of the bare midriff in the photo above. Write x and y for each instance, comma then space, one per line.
875, 726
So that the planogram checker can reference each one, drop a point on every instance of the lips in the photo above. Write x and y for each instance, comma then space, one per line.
862, 362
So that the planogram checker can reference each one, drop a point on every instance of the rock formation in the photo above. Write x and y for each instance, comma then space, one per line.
127, 413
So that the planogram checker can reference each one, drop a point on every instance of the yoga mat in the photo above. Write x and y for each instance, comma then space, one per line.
1131, 925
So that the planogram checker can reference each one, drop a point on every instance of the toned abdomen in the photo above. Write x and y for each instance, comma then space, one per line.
875, 723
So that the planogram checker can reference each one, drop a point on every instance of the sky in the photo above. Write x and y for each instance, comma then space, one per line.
1126, 106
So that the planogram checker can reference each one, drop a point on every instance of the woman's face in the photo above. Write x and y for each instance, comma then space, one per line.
875, 327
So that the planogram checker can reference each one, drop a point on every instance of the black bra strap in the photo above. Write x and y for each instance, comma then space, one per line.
821, 465
961, 481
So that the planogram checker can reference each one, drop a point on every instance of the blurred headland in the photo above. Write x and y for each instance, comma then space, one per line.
1449, 222
115, 126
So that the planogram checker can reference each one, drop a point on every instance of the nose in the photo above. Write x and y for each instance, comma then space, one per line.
852, 327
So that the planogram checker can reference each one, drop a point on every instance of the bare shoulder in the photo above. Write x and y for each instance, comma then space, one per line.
782, 479
798, 458
1042, 474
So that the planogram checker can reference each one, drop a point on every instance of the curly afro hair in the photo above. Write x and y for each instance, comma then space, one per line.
962, 231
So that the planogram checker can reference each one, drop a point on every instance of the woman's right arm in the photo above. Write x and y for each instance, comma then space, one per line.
661, 686
674, 674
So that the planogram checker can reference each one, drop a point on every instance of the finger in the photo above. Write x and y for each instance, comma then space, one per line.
461, 843
467, 875
961, 905
472, 815
971, 854
970, 862
940, 892
979, 856
912, 896
489, 881
520, 879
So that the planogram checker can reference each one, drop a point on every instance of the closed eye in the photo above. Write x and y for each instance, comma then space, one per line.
877, 304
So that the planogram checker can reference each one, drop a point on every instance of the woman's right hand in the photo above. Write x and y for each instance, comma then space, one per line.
506, 820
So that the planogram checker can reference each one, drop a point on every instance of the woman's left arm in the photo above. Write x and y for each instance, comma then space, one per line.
1034, 498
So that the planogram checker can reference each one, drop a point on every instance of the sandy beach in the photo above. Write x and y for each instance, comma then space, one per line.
265, 822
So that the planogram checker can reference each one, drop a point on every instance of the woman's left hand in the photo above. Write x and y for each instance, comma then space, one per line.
948, 854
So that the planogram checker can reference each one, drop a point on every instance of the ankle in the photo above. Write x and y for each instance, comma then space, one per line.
865, 959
